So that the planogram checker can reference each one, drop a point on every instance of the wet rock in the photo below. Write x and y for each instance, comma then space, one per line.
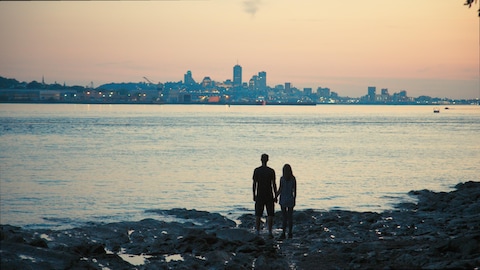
235, 234
89, 250
39, 243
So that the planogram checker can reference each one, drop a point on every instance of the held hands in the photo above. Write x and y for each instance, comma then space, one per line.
274, 199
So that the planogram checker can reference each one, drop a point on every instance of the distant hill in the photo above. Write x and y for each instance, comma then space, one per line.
8, 83
127, 86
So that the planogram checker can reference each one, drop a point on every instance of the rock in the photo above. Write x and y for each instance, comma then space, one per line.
39, 243
441, 230
235, 234
89, 249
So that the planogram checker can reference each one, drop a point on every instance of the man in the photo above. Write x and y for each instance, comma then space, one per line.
264, 190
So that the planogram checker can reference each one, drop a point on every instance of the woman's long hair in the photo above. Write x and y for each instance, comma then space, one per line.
287, 172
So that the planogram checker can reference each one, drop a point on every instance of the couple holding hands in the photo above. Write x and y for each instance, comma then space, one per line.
265, 195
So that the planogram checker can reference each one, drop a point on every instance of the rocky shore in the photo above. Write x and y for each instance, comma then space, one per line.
440, 231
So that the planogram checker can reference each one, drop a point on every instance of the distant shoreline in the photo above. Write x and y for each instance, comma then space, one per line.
238, 103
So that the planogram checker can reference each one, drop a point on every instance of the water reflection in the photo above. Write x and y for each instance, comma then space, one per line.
62, 163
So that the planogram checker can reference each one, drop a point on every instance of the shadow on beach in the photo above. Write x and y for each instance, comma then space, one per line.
441, 230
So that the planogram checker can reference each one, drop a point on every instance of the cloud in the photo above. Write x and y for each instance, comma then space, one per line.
251, 6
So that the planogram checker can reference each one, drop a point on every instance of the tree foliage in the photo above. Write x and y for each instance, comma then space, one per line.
469, 4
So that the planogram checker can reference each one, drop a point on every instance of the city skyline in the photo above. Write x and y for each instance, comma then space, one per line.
427, 48
189, 91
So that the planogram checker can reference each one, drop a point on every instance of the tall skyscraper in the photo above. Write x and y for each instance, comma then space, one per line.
253, 83
288, 87
188, 79
237, 77
372, 92
262, 80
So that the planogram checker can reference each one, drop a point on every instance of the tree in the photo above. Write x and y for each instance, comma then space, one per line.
34, 85
8, 83
469, 4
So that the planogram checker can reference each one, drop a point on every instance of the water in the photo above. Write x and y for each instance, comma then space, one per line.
63, 165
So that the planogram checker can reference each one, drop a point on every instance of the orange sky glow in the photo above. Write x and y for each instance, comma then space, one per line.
426, 47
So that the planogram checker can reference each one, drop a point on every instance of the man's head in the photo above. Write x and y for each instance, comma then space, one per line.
264, 158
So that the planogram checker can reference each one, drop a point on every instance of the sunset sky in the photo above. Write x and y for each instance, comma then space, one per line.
426, 47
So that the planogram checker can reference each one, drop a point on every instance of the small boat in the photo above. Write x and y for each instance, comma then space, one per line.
436, 110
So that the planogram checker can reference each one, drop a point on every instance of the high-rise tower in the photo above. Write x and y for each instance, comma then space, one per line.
262, 80
237, 77
188, 79
372, 92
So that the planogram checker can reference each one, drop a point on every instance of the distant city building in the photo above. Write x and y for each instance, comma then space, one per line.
372, 92
307, 91
385, 96
207, 82
288, 87
323, 92
400, 97
226, 84
188, 79
253, 83
262, 80
258, 82
237, 77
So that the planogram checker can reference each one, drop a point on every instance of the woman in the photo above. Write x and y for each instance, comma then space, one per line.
288, 195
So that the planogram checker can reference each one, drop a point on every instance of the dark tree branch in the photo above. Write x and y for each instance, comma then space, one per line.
469, 4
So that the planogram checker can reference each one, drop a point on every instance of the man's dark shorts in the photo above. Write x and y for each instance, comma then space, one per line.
259, 206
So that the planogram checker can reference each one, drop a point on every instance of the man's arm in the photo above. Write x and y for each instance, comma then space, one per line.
254, 186
274, 185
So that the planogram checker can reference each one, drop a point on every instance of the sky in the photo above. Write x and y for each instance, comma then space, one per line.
425, 47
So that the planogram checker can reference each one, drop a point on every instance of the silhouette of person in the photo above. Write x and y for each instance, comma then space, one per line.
264, 190
288, 196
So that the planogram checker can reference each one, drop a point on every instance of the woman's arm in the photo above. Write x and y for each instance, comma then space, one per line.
294, 190
277, 193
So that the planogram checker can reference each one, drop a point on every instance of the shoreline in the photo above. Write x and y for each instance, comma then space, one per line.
245, 103
440, 230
